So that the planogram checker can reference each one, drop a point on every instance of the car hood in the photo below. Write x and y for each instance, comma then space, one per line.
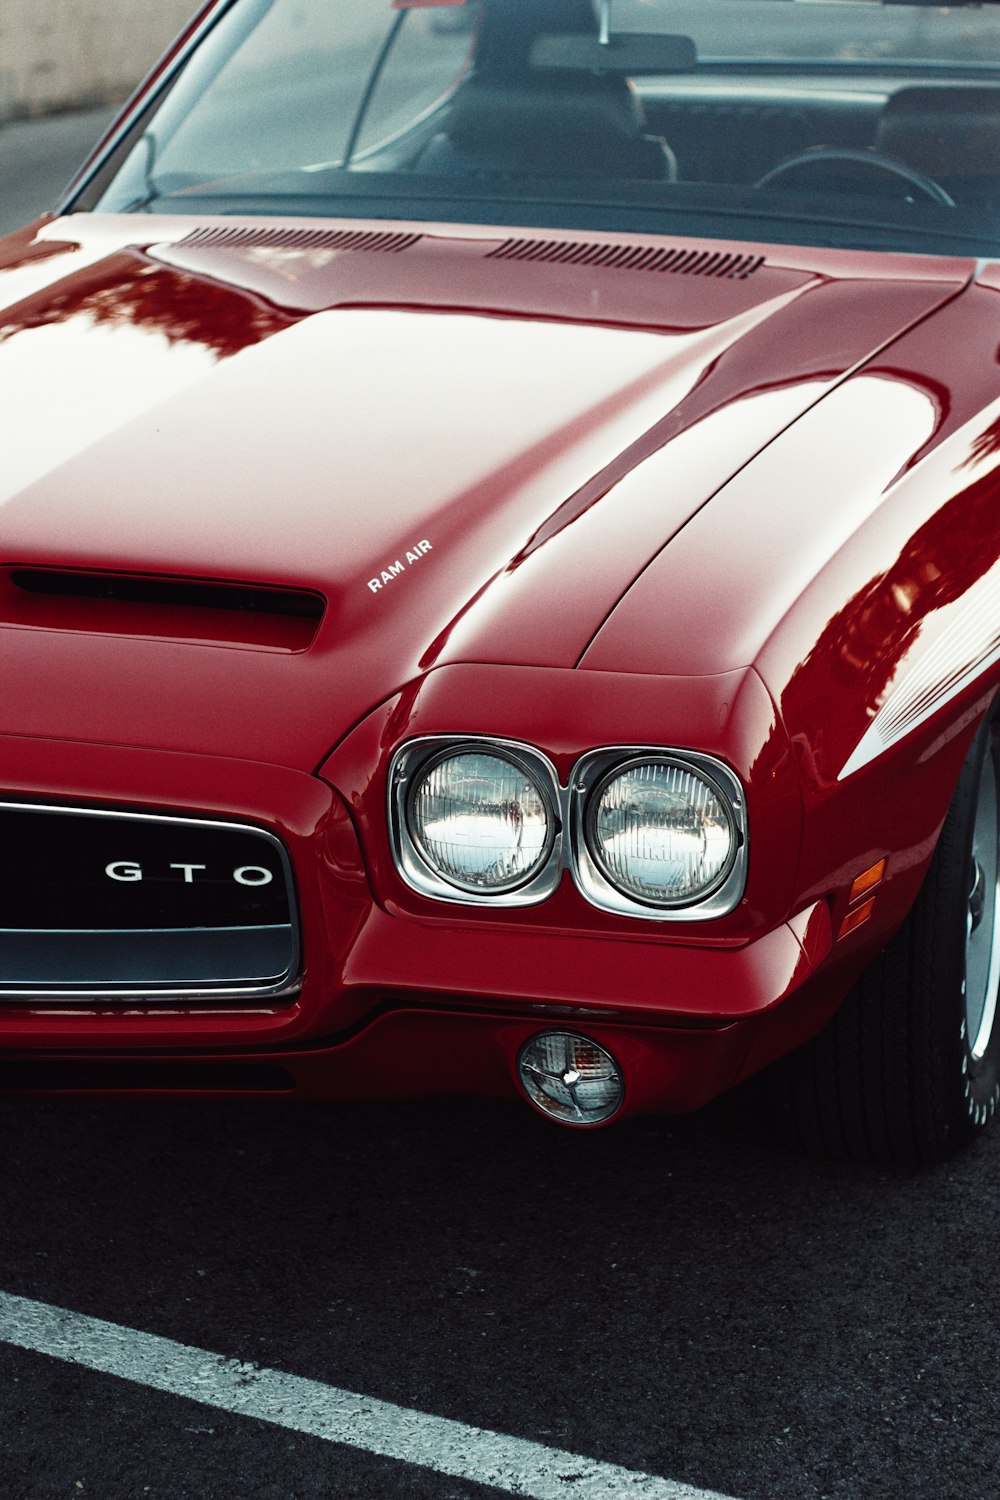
467, 442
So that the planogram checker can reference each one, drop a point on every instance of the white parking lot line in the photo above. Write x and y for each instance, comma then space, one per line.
512, 1464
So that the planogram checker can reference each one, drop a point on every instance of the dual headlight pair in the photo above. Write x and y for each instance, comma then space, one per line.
654, 833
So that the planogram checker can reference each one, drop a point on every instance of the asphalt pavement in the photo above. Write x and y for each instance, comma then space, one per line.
38, 158
687, 1299
684, 1298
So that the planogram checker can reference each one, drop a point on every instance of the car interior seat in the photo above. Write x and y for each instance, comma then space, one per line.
510, 118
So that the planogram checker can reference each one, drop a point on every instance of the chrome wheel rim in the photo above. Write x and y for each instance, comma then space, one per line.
982, 923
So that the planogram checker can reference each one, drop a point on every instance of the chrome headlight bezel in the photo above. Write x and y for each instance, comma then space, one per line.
568, 846
416, 760
594, 772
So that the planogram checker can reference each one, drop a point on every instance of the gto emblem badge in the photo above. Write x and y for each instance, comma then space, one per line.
128, 870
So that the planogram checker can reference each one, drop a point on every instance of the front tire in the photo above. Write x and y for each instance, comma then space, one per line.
908, 1071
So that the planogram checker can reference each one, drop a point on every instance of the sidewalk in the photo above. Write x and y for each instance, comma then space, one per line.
38, 158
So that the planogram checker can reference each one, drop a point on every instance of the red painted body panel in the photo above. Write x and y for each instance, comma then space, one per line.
661, 511
369, 1018
587, 437
845, 583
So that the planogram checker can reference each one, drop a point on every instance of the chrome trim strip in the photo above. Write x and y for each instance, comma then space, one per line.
207, 994
968, 646
87, 173
282, 987
134, 931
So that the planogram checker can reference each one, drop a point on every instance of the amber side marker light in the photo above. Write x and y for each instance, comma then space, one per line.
867, 881
858, 914
856, 918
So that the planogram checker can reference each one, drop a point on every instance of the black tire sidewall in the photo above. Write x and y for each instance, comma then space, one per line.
968, 1088
983, 1095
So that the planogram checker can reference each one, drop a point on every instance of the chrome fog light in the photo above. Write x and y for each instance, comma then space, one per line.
570, 1078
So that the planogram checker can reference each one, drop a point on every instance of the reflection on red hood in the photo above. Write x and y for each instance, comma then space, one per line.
470, 442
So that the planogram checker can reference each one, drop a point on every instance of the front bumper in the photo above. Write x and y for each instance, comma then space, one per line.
409, 1042
389, 1004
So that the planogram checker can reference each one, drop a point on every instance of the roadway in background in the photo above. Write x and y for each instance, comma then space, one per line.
38, 158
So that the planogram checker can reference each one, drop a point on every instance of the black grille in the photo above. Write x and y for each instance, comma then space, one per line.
679, 262
371, 241
108, 902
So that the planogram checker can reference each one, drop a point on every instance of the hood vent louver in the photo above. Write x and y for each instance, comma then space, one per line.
178, 609
723, 265
370, 241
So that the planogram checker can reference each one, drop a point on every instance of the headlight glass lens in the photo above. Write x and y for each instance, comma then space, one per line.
481, 822
661, 833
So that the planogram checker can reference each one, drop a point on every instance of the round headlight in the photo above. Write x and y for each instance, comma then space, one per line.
481, 821
661, 832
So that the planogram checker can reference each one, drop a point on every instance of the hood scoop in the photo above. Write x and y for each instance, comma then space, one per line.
724, 265
198, 611
369, 241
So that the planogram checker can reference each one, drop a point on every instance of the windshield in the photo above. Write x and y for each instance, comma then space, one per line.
840, 122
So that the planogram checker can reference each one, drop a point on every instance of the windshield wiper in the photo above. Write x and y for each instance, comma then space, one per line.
152, 194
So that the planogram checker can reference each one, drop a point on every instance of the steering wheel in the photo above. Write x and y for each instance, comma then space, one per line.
865, 156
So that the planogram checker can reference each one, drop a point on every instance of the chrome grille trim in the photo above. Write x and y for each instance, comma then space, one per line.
69, 945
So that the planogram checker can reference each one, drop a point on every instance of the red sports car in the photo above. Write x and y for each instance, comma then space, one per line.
500, 567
